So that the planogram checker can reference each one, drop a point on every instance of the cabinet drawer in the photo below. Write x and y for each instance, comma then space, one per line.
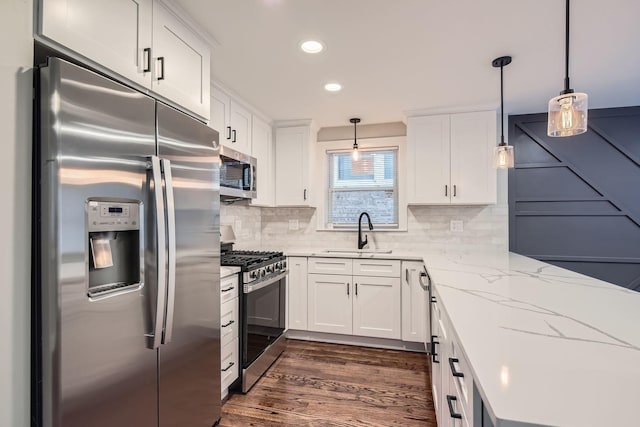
463, 384
376, 267
228, 288
330, 266
229, 322
229, 363
457, 406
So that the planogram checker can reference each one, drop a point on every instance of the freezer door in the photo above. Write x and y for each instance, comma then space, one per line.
189, 379
95, 139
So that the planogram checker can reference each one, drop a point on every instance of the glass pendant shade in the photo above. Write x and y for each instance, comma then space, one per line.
354, 154
568, 114
504, 156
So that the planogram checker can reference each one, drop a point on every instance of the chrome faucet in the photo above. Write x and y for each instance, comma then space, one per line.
362, 243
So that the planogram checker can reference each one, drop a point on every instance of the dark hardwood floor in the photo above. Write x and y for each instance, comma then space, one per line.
317, 384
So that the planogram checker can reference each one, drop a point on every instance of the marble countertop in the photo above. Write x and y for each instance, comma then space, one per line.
546, 346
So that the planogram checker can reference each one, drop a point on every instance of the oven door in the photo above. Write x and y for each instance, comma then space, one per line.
237, 174
263, 317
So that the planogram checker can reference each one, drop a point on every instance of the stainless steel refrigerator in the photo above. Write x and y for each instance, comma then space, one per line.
126, 305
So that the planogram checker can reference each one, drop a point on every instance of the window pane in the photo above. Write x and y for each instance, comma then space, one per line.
366, 185
346, 206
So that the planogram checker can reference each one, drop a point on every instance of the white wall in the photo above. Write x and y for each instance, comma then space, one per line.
16, 23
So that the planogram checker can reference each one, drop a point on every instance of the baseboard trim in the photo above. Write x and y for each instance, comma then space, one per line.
355, 340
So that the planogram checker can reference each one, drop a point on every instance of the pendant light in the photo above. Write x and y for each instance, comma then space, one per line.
354, 154
504, 152
568, 111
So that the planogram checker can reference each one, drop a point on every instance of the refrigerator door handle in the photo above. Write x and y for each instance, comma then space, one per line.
156, 335
171, 245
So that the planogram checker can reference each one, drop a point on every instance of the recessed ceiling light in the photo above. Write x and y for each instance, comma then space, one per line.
333, 87
311, 46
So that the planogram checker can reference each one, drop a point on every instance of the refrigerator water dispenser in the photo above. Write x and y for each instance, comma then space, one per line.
113, 246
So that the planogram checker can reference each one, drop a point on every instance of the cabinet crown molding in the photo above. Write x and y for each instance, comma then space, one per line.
450, 110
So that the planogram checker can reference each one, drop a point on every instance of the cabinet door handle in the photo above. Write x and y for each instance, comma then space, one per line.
446, 190
356, 289
229, 323
147, 59
228, 132
450, 400
161, 61
228, 367
304, 194
227, 289
433, 348
234, 135
347, 289
454, 371
454, 190
406, 275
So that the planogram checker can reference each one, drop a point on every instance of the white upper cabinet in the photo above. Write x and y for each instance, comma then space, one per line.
295, 165
112, 33
181, 62
220, 115
232, 121
262, 150
473, 171
450, 159
129, 37
240, 120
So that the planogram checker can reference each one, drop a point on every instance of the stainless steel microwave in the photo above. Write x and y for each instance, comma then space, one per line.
237, 174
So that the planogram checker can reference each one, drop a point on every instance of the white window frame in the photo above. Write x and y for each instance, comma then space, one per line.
322, 183
330, 190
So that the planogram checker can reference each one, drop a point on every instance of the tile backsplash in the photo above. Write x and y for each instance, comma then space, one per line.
429, 227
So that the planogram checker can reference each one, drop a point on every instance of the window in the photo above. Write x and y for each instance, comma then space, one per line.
367, 185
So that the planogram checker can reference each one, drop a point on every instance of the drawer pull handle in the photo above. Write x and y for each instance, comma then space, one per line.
228, 367
161, 61
227, 289
454, 414
147, 55
434, 354
229, 323
454, 371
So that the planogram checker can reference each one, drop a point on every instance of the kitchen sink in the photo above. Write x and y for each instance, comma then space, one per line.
358, 251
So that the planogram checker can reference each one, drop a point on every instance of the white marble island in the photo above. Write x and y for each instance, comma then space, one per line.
546, 346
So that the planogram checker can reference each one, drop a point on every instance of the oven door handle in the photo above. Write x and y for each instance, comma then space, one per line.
248, 287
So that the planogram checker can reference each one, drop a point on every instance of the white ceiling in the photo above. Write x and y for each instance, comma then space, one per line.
397, 55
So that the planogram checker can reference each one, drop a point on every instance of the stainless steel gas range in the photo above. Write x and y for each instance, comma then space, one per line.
262, 310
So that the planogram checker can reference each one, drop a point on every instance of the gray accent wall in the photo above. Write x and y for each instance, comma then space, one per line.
575, 202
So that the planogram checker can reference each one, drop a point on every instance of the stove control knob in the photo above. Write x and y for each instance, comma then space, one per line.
278, 265
269, 269
253, 275
284, 264
262, 273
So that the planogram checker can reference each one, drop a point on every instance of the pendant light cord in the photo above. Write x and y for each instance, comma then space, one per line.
566, 55
501, 107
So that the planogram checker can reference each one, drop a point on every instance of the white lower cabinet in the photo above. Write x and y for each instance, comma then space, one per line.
351, 304
297, 293
451, 380
376, 307
414, 305
229, 331
329, 303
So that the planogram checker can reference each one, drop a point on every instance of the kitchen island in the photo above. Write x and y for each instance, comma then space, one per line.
545, 346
